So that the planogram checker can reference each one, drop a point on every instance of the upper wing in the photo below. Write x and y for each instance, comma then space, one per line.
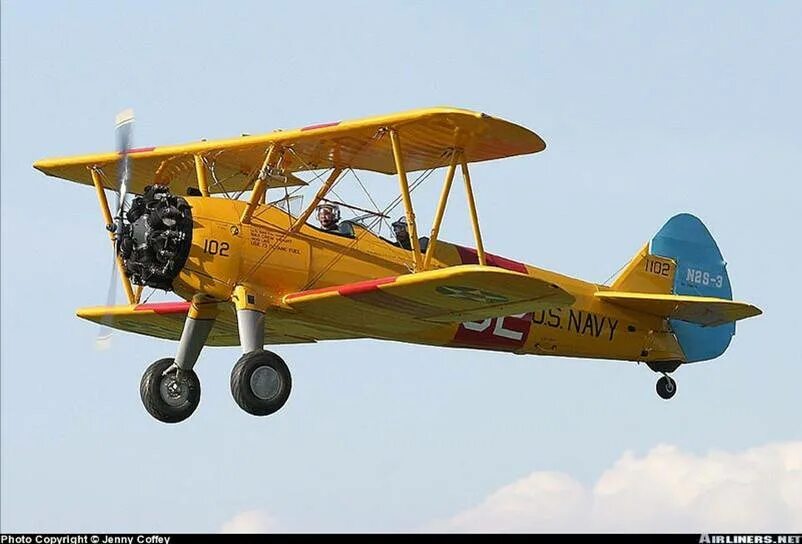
705, 311
426, 136
410, 302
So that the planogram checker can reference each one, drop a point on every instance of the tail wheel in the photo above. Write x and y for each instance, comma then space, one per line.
666, 387
168, 394
261, 382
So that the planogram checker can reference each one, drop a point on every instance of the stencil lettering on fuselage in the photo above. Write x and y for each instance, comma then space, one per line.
578, 322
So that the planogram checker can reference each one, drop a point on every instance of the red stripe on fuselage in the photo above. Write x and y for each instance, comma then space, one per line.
469, 256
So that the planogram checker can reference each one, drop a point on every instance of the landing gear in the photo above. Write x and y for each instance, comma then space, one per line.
169, 393
666, 387
260, 382
170, 389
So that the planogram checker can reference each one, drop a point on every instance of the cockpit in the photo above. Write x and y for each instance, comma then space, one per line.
364, 223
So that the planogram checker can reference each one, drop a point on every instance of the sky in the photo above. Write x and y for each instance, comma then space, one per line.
648, 110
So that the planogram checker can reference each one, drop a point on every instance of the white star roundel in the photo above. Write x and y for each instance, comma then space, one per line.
471, 293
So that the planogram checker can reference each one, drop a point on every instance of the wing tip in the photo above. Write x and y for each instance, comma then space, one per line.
754, 311
42, 165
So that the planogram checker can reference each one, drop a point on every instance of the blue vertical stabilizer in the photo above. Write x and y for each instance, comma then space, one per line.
701, 271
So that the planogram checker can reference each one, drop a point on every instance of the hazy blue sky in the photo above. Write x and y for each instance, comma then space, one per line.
648, 109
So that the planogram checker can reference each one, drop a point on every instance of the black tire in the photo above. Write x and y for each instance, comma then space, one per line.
154, 389
260, 382
666, 387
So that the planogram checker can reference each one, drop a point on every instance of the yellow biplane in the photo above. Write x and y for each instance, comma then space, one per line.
251, 272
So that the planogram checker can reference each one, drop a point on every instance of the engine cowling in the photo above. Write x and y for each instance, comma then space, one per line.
156, 237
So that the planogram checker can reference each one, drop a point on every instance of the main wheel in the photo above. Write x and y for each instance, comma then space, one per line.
169, 396
666, 387
260, 382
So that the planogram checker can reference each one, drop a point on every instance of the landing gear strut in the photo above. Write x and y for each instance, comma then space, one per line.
170, 389
260, 381
666, 387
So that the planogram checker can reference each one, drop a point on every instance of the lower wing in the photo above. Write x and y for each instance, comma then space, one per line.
420, 301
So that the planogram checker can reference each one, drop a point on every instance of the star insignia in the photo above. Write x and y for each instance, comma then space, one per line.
471, 293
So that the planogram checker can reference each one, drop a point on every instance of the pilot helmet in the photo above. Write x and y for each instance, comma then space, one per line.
400, 225
333, 209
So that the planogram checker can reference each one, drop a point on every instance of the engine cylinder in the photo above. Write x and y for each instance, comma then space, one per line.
155, 237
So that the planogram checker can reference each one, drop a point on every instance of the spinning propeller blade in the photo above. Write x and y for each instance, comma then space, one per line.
123, 130
103, 340
124, 125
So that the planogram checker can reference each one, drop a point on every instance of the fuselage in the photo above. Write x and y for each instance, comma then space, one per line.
264, 255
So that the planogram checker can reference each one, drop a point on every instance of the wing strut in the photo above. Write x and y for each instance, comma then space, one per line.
104, 208
441, 208
200, 171
410, 213
480, 249
260, 187
457, 156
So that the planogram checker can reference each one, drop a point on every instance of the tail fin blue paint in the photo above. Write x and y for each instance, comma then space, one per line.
701, 271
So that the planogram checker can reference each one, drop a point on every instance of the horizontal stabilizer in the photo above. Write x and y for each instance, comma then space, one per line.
705, 311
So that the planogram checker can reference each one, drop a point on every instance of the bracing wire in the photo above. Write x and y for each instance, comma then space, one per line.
390, 207
420, 179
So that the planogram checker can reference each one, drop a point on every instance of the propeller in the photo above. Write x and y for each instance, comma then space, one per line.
103, 340
124, 127
123, 131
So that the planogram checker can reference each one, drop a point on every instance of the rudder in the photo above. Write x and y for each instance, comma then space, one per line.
700, 271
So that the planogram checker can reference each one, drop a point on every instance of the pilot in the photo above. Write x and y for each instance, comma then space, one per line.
329, 216
401, 233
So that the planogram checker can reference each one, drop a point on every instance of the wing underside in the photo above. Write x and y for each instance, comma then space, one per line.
166, 320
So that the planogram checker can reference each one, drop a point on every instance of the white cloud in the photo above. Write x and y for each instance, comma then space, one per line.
666, 490
252, 521
543, 499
